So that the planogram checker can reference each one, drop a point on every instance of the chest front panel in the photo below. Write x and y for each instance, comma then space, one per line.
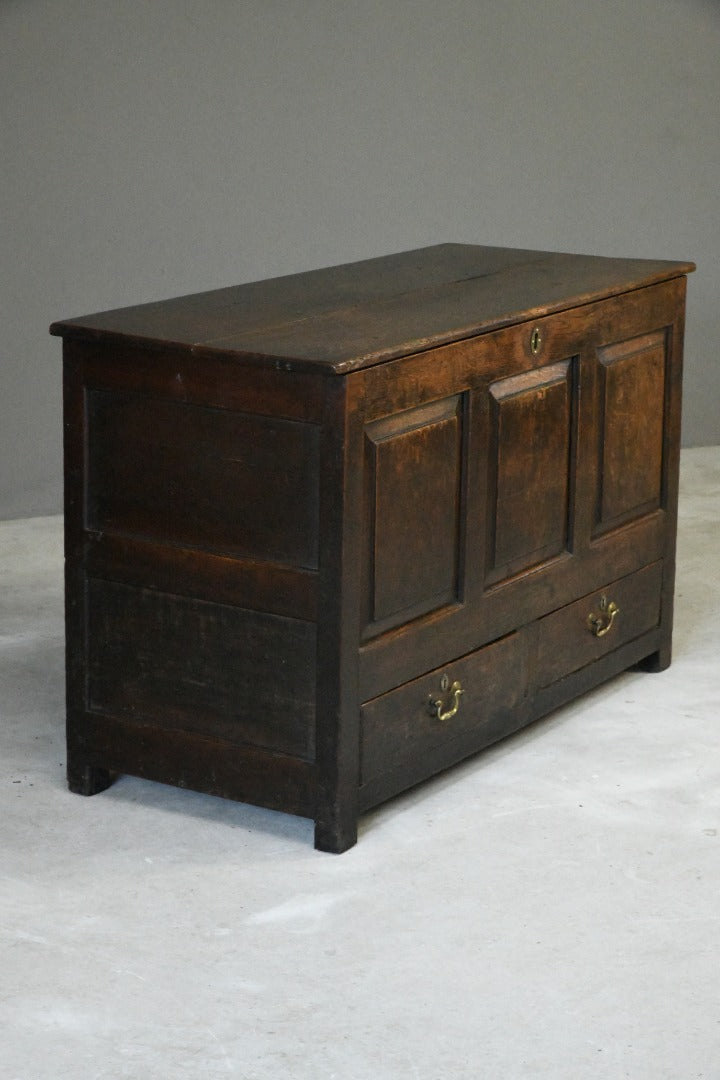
527, 474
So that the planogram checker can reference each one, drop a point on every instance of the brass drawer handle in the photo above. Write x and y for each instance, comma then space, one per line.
435, 705
600, 624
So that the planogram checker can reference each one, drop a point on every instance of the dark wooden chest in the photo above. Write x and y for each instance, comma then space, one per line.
328, 534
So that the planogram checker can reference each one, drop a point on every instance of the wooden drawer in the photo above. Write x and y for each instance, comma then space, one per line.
470, 695
598, 623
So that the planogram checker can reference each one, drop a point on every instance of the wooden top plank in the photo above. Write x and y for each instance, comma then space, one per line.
343, 318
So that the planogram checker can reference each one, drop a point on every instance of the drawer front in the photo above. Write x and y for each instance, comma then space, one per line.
598, 623
469, 693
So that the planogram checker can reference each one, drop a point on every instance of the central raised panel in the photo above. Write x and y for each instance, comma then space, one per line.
414, 470
531, 426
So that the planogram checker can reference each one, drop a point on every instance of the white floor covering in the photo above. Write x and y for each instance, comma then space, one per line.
547, 909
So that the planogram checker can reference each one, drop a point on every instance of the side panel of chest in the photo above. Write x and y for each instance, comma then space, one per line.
192, 563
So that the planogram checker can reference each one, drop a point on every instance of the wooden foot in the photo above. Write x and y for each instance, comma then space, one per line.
84, 779
657, 661
335, 833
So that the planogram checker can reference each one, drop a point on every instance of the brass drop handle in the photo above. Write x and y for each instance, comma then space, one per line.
436, 705
600, 624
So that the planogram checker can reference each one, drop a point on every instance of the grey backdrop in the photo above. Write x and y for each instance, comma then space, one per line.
151, 148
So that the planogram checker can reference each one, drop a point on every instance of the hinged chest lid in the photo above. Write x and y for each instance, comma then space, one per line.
343, 318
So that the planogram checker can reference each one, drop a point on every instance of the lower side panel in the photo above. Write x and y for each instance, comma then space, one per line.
186, 664
188, 760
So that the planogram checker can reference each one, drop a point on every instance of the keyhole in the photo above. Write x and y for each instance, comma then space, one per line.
535, 341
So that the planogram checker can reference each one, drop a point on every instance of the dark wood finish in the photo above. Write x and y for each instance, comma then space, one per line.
632, 380
344, 318
294, 507
418, 767
86, 779
217, 382
397, 657
500, 598
566, 640
191, 665
414, 465
532, 425
188, 759
203, 478
247, 583
339, 619
401, 725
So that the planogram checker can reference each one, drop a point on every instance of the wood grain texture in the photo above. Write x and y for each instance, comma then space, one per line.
217, 381
247, 583
348, 317
532, 417
388, 661
400, 725
415, 471
186, 664
269, 570
189, 760
632, 381
339, 618
203, 478
566, 641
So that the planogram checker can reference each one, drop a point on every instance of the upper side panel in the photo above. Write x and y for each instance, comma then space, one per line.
180, 476
214, 479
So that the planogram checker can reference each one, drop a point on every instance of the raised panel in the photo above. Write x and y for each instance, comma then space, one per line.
532, 421
195, 476
414, 469
632, 407
190, 665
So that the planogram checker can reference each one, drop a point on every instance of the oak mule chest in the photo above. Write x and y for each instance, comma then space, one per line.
329, 534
